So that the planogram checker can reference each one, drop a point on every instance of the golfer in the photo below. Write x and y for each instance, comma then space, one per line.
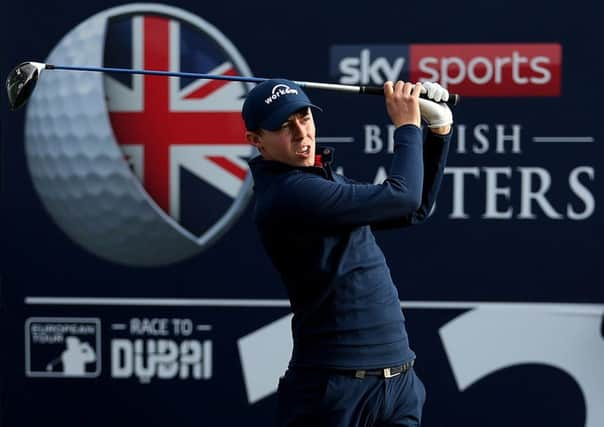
351, 362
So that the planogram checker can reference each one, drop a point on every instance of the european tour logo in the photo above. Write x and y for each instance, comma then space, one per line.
62, 347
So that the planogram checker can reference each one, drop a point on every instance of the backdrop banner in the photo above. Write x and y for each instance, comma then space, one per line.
134, 288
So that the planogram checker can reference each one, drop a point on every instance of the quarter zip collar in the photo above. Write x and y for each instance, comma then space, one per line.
264, 169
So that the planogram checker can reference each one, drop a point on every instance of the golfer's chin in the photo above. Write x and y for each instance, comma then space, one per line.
297, 159
303, 158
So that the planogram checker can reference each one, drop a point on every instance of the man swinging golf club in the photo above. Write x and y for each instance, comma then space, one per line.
351, 363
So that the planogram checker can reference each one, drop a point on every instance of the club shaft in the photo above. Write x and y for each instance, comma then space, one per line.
157, 73
312, 85
370, 90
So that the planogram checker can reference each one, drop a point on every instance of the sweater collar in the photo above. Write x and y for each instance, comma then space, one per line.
322, 159
261, 167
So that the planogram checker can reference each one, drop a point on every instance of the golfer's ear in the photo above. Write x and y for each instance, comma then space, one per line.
253, 138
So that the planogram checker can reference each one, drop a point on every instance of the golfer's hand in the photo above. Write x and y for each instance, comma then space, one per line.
434, 110
402, 102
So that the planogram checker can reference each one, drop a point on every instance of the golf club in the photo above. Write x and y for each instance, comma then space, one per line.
22, 80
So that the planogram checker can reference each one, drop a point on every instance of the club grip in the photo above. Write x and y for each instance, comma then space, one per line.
379, 90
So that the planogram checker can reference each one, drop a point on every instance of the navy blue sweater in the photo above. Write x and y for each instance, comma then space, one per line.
316, 226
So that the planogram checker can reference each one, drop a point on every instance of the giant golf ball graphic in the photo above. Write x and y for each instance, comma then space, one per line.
79, 169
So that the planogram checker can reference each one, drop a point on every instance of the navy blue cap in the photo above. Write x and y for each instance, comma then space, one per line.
270, 103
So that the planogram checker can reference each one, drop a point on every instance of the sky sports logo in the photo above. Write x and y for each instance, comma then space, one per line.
481, 70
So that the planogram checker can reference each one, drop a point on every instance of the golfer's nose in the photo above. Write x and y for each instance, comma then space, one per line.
298, 127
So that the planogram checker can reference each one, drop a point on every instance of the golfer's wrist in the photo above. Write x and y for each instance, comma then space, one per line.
442, 130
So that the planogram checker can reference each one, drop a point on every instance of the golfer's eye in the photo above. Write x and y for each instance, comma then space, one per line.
303, 113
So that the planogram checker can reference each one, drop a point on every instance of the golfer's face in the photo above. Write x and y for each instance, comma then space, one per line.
293, 143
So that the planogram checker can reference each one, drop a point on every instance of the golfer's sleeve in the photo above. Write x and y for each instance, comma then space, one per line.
312, 200
436, 149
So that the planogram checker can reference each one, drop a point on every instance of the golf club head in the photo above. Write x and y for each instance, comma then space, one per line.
21, 82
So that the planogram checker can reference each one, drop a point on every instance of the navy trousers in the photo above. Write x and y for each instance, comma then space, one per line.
322, 398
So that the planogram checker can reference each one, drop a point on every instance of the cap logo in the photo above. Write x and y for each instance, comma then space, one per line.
278, 91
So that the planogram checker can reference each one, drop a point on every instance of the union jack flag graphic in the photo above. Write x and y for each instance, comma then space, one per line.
184, 138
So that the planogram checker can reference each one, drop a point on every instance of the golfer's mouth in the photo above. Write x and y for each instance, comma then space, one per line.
303, 151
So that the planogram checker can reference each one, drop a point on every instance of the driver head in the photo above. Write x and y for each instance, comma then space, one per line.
21, 82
